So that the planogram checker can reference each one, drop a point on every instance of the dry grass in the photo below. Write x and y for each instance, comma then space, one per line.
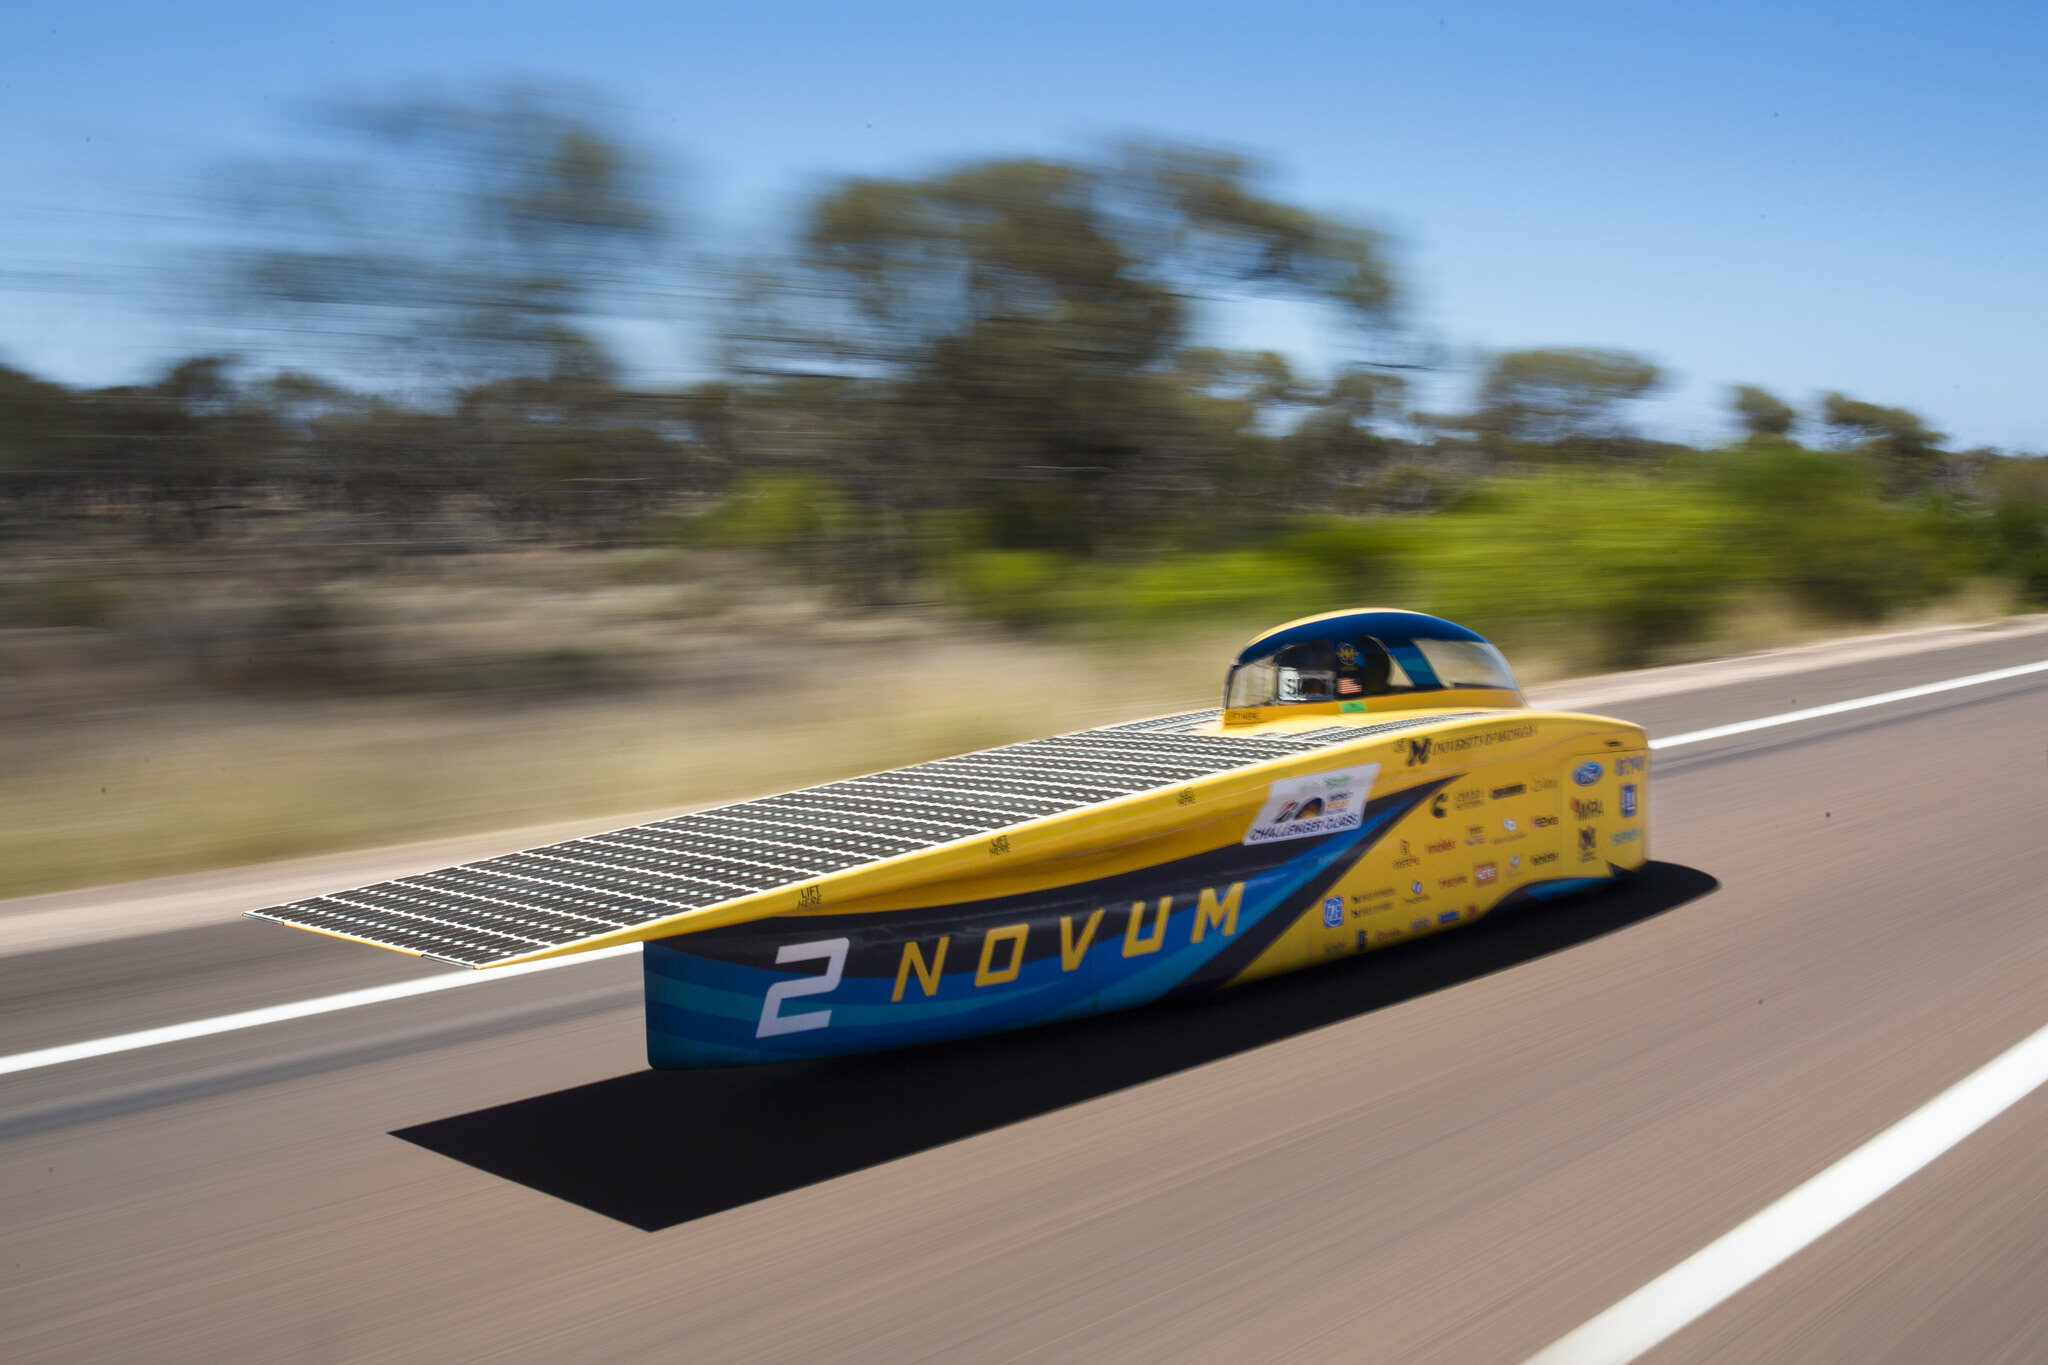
179, 788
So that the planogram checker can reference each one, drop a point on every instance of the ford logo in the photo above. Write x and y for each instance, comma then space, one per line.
1586, 774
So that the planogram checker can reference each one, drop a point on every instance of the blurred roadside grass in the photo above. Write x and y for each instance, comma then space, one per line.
226, 783
243, 719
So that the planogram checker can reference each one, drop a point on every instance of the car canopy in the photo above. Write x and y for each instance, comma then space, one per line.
1350, 657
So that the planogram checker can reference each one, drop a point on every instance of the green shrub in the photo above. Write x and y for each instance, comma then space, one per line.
1598, 569
1366, 558
1039, 589
1810, 523
1224, 585
1014, 587
774, 511
85, 600
1595, 568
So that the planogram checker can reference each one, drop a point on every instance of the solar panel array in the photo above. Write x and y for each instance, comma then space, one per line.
501, 908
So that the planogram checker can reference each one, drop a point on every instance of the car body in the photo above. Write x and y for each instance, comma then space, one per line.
1373, 777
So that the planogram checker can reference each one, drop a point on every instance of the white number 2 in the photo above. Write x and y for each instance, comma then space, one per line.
774, 1022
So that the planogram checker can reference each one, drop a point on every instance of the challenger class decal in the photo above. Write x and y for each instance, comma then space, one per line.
1320, 803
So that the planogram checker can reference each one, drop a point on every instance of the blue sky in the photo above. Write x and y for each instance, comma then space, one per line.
1806, 196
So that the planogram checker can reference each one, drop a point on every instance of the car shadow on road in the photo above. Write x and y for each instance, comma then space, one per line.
658, 1148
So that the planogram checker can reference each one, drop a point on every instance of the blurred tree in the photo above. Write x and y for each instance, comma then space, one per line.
568, 449
38, 439
1896, 436
1255, 380
1560, 395
182, 444
472, 238
1339, 444
1764, 416
1024, 328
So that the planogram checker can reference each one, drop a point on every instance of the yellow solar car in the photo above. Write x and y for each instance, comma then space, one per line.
1372, 776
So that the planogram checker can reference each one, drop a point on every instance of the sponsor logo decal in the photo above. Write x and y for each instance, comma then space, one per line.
1407, 858
1589, 840
1418, 926
1542, 858
1628, 764
1586, 774
1509, 825
1440, 846
1350, 705
1447, 917
1383, 894
1544, 821
1515, 863
1475, 834
1458, 744
1415, 887
1418, 751
1502, 793
1587, 810
1543, 784
1470, 800
1627, 836
1333, 912
1485, 873
1319, 803
1628, 799
1436, 805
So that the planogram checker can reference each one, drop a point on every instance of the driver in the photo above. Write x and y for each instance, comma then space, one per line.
1364, 669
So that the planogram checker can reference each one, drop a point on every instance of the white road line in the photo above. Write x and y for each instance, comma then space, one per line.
375, 995
1737, 1259
1743, 727
298, 1009
1717, 1271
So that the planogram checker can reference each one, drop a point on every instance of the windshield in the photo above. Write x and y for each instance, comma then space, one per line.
1467, 663
1354, 669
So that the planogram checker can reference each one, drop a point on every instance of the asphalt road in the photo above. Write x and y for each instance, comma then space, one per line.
1455, 1151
